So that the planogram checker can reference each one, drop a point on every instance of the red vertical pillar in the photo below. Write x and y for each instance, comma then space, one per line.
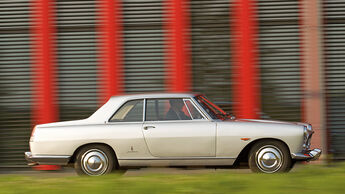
43, 54
110, 62
244, 56
177, 43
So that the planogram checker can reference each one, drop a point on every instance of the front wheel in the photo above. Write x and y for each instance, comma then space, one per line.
269, 156
94, 160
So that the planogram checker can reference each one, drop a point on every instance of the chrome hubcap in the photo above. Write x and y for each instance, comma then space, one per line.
94, 162
269, 159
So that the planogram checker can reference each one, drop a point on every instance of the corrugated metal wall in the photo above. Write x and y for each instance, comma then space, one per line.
15, 81
77, 58
143, 21
334, 43
210, 46
143, 40
280, 59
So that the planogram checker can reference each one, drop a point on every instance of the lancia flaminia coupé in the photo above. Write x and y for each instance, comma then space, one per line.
178, 129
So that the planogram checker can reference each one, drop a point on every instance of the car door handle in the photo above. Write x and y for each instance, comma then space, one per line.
147, 127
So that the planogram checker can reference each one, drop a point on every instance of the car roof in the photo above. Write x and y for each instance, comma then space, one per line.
116, 101
156, 95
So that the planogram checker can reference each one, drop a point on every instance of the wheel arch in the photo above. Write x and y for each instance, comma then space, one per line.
243, 155
73, 157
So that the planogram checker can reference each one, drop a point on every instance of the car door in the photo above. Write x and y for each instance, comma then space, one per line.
175, 128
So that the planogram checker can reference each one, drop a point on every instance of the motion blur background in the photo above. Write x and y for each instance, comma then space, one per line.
274, 59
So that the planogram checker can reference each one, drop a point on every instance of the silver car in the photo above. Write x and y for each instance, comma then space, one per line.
169, 129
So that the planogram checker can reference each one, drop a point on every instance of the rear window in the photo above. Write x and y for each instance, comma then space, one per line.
131, 111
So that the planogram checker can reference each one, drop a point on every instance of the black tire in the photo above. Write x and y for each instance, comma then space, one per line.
95, 160
293, 162
269, 156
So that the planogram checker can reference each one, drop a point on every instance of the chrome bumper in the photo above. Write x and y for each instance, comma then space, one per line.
309, 155
44, 159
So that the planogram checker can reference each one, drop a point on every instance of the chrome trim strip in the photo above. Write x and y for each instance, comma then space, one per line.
176, 158
177, 162
144, 110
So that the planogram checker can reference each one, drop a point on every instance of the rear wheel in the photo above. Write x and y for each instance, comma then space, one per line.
94, 160
269, 156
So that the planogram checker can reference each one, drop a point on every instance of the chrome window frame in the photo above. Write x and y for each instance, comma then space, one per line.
202, 110
193, 104
206, 116
184, 102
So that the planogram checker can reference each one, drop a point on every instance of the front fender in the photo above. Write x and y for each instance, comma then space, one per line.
234, 136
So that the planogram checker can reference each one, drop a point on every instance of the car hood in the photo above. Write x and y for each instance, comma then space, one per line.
271, 121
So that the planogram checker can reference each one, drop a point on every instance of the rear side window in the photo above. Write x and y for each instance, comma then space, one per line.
131, 111
166, 109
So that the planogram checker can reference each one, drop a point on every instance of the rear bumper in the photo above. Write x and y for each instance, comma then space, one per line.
46, 159
309, 155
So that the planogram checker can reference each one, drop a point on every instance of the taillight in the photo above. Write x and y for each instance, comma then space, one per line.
32, 134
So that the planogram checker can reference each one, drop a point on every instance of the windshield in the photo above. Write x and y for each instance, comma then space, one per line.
213, 110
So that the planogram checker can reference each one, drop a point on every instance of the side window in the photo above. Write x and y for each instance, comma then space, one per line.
166, 109
131, 111
193, 110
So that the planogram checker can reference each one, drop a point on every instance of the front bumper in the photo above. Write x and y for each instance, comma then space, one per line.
309, 155
46, 159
